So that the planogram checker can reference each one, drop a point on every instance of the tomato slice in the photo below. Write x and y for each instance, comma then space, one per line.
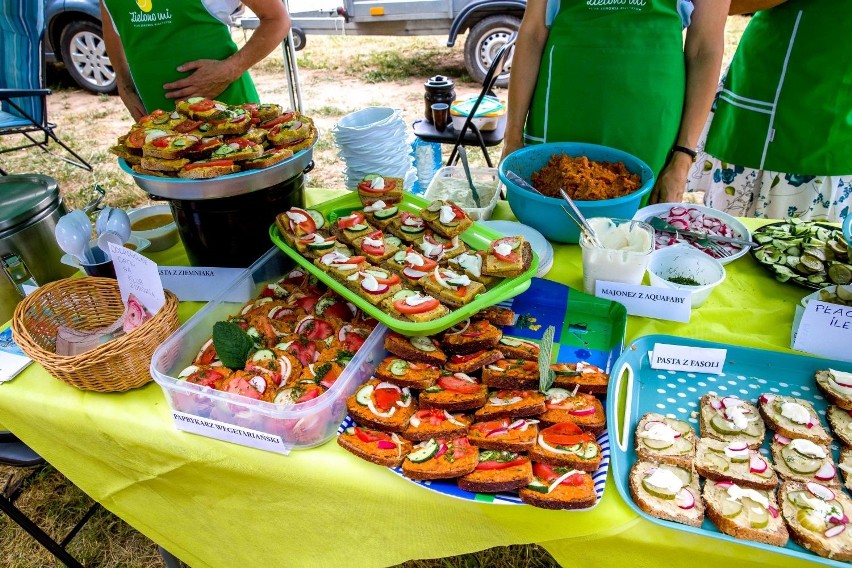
390, 280
457, 210
241, 386
206, 378
566, 434
241, 142
162, 142
356, 218
426, 306
548, 474
466, 358
207, 356
188, 125
319, 329
353, 341
486, 427
307, 302
366, 435
489, 465
136, 138
340, 310
567, 428
311, 392
455, 384
306, 225
202, 105
512, 256
212, 163
434, 416
385, 398
374, 250
304, 351
285, 117
159, 113
428, 264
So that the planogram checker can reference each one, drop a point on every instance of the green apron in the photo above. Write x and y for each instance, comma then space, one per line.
786, 105
163, 34
612, 73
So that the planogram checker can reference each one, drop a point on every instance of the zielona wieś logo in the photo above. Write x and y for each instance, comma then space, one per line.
148, 15
616, 4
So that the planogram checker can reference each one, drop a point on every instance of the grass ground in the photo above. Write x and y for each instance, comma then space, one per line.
337, 75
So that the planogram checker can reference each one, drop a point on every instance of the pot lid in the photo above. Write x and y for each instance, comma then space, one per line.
439, 82
25, 196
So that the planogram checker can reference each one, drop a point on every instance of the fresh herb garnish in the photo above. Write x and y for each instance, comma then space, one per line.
232, 344
684, 280
546, 374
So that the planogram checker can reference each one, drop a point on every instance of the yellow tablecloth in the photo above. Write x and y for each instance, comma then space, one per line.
217, 504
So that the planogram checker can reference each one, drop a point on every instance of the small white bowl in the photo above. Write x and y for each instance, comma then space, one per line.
686, 261
161, 238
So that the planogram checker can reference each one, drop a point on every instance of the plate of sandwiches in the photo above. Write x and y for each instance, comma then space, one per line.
175, 154
461, 413
757, 455
416, 266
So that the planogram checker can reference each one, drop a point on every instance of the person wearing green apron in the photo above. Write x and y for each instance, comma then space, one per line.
617, 73
164, 50
780, 141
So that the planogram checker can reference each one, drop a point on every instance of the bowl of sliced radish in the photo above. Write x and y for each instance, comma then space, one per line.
696, 218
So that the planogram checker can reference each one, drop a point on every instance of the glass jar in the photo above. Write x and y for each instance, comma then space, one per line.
439, 89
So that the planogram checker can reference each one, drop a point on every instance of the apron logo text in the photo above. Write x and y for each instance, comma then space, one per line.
616, 4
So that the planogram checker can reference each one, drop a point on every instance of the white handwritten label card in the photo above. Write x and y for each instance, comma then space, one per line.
202, 284
826, 329
137, 275
229, 433
647, 301
682, 358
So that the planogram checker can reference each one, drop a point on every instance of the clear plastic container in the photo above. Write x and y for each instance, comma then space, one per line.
302, 426
627, 248
450, 182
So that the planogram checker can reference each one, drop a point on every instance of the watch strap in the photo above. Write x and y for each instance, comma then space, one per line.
688, 151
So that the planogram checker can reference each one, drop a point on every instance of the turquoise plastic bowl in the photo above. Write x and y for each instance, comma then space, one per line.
545, 214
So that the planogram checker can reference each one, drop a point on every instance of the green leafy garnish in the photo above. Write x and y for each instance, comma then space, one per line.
232, 344
546, 375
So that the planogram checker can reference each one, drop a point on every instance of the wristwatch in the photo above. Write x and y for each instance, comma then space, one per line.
688, 151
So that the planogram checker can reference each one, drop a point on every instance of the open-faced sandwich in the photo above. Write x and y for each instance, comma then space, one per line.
407, 373
511, 404
381, 214
498, 470
584, 410
734, 461
588, 377
744, 513
446, 218
519, 374
665, 440
667, 492
471, 336
382, 405
558, 487
798, 459
836, 386
377, 447
504, 434
375, 187
731, 419
568, 445
441, 459
507, 257
817, 516
417, 348
429, 423
410, 305
792, 418
455, 392
472, 362
840, 421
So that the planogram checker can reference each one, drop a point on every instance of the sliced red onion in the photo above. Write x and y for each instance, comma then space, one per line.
441, 451
497, 432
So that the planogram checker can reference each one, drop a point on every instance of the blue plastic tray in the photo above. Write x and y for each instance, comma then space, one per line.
587, 329
748, 373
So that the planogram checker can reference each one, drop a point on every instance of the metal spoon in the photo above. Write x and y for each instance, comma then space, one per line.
466, 166
589, 230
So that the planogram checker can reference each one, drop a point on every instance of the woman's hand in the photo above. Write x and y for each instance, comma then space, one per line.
209, 79
671, 182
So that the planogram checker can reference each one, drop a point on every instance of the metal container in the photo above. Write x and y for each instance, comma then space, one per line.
439, 89
30, 206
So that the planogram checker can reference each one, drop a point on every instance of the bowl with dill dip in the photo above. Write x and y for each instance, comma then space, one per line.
683, 267
450, 183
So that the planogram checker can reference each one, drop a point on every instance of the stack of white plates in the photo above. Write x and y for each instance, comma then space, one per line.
374, 140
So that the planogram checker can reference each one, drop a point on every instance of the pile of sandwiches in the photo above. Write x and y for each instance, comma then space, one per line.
466, 405
741, 493
204, 138
413, 265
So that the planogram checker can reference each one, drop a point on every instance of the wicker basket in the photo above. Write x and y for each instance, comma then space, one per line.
86, 304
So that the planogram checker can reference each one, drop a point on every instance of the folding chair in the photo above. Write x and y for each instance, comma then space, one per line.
15, 453
23, 100
469, 134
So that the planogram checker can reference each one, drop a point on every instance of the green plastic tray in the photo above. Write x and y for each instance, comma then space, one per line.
476, 237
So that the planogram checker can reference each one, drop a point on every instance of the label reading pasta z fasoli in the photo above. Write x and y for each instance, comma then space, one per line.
669, 357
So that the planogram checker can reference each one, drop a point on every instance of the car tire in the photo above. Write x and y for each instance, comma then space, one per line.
483, 42
299, 38
84, 54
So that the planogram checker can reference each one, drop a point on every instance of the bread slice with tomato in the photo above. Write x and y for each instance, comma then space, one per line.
412, 266
499, 316
375, 284
297, 129
416, 348
170, 147
162, 165
667, 492
341, 266
206, 169
262, 112
585, 376
471, 362
446, 218
352, 227
470, 337
498, 470
381, 214
200, 108
375, 187
557, 487
407, 373
382, 405
508, 257
511, 374
410, 305
408, 227
375, 247
568, 445
441, 459
441, 249
584, 410
268, 159
454, 392
204, 148
511, 404
314, 245
471, 263
436, 423
504, 434
232, 121
380, 448
453, 289
238, 149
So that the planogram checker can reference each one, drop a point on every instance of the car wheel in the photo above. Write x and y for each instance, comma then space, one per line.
483, 42
84, 55
299, 38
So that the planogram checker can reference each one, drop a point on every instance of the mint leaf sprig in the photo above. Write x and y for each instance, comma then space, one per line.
545, 349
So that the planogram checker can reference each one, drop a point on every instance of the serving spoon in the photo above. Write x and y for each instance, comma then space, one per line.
466, 166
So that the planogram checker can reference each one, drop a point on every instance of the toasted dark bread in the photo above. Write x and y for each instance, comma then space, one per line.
717, 461
369, 450
805, 465
470, 337
487, 478
665, 440
511, 374
511, 404
504, 434
663, 508
777, 412
169, 147
291, 131
208, 169
589, 378
723, 500
584, 410
407, 374
394, 419
514, 348
520, 261
122, 151
390, 191
578, 451
140, 170
269, 158
457, 459
472, 361
434, 213
417, 349
577, 491
162, 165
845, 465
840, 421
454, 395
199, 108
793, 498
714, 420
835, 393
435, 423
498, 316
204, 148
